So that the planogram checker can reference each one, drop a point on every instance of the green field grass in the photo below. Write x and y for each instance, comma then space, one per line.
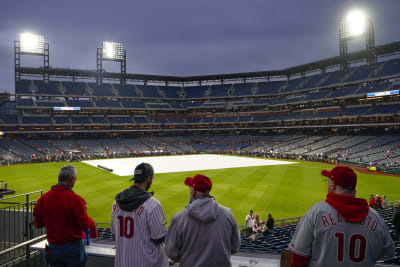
283, 190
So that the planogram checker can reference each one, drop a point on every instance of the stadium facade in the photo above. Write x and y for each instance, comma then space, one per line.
271, 111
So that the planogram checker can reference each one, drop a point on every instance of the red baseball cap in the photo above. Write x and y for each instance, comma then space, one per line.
342, 176
199, 182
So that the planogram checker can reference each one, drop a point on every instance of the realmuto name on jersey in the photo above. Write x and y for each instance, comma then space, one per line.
334, 218
137, 211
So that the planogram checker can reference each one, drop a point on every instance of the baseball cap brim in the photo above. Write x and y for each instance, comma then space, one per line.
326, 173
189, 181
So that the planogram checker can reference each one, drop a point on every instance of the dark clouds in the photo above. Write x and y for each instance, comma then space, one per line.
186, 37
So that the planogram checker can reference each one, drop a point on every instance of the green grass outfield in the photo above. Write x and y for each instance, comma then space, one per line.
283, 190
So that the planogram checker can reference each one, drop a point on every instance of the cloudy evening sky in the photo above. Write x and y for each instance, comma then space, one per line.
187, 37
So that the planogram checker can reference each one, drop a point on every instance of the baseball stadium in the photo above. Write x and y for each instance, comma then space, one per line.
263, 137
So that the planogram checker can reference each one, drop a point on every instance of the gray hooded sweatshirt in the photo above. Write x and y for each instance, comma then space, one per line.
203, 234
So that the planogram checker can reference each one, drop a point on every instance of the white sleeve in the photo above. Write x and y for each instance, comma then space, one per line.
388, 250
303, 237
157, 222
113, 228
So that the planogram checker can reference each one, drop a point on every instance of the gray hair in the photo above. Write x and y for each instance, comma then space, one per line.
67, 173
342, 190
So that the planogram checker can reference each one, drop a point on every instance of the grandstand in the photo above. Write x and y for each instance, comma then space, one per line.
328, 110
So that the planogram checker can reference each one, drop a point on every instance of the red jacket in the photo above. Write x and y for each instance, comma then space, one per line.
63, 213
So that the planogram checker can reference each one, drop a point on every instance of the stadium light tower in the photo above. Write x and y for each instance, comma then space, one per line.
353, 26
110, 51
32, 45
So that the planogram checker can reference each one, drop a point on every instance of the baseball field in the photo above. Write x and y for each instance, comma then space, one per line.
283, 190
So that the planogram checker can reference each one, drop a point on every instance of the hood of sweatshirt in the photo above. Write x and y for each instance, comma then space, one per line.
352, 209
131, 198
204, 209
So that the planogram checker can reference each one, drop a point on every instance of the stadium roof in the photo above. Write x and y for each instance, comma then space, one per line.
379, 51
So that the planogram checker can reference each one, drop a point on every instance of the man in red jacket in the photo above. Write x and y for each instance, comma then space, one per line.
63, 213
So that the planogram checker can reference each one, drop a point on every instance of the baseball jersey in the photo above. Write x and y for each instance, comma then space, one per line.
134, 231
331, 241
249, 221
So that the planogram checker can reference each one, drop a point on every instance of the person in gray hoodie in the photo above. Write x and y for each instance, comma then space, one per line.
204, 233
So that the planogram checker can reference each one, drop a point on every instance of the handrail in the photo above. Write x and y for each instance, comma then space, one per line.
23, 244
30, 193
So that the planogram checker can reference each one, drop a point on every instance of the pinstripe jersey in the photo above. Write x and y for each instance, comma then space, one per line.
325, 236
134, 231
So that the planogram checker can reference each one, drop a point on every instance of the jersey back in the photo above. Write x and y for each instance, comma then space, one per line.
134, 232
324, 235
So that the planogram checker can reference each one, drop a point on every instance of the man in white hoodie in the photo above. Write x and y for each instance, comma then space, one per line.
204, 233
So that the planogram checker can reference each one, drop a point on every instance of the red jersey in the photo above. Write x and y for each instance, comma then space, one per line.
372, 203
63, 213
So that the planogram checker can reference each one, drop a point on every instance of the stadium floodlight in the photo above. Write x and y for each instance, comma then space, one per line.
112, 51
356, 23
32, 43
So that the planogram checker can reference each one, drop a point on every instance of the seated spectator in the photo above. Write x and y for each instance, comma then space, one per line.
378, 202
372, 201
257, 224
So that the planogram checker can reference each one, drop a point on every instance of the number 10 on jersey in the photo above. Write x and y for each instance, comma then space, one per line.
126, 226
356, 253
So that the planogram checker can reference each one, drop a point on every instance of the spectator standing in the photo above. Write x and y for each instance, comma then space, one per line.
63, 214
342, 230
250, 221
205, 233
384, 202
139, 223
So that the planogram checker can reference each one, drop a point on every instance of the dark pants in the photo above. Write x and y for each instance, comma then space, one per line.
66, 255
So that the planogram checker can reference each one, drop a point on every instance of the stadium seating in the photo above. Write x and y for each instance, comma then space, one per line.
133, 104
388, 68
384, 109
99, 120
50, 104
171, 91
107, 104
270, 88
75, 89
196, 91
220, 90
343, 92
80, 103
101, 90
158, 105
120, 120
293, 84
80, 120
317, 95
149, 91
36, 120
128, 90
61, 120
50, 88
141, 120
23, 87
355, 111
243, 89
24, 102
9, 118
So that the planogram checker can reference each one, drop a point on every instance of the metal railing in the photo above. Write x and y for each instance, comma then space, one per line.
16, 228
